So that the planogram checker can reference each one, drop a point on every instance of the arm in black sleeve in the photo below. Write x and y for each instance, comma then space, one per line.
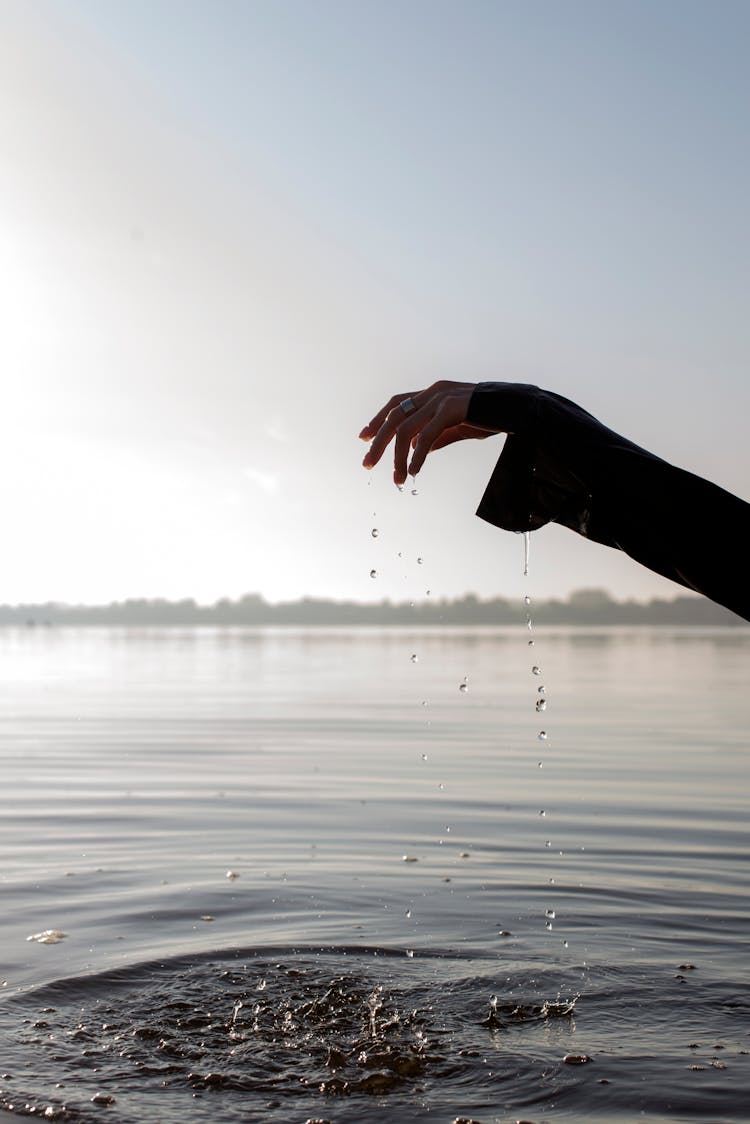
560, 465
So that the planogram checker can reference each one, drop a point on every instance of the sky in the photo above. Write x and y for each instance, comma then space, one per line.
230, 231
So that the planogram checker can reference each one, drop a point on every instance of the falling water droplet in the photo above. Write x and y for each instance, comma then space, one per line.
541, 704
414, 657
540, 764
424, 702
526, 547
399, 486
423, 756
542, 812
548, 924
565, 944
373, 573
530, 643
427, 592
542, 735
374, 532
547, 842
540, 689
408, 913
463, 687
415, 491
441, 786
549, 914
527, 600
536, 670
420, 561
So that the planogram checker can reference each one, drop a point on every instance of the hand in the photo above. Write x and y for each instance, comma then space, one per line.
439, 419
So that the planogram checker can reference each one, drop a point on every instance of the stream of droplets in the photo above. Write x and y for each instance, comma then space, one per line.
540, 704
540, 696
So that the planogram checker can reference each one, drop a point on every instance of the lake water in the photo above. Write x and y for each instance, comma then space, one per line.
430, 907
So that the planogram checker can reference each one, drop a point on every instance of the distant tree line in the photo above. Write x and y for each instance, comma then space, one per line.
586, 606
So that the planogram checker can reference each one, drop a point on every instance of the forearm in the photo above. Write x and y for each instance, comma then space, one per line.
560, 464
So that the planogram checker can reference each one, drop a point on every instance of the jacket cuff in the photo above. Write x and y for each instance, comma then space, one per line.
506, 407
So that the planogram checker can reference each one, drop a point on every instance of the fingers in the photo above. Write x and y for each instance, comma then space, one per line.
375, 424
443, 421
389, 422
439, 409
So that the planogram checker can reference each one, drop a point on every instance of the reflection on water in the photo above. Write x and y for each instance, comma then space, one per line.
217, 821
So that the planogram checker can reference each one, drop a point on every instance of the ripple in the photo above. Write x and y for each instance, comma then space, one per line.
371, 1034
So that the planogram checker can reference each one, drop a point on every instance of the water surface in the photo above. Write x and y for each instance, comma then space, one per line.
429, 907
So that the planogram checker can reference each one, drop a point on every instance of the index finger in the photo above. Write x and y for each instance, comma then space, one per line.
373, 426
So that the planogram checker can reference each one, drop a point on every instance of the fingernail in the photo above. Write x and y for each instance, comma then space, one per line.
365, 434
366, 462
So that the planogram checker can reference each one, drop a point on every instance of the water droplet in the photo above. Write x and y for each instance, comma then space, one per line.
374, 532
530, 643
415, 491
423, 756
399, 554
463, 687
540, 690
410, 953
441, 786
527, 600
424, 702
547, 842
373, 573
399, 486
540, 765
526, 548
408, 913
493, 1002
414, 657
541, 704
542, 812
548, 924
536, 670
427, 592
565, 944
232, 874
420, 561
542, 735
550, 914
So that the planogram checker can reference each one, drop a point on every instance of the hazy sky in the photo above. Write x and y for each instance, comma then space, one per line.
229, 231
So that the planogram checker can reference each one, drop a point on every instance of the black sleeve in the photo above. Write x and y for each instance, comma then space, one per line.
560, 465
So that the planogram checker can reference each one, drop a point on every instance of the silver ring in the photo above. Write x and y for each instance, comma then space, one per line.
407, 406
